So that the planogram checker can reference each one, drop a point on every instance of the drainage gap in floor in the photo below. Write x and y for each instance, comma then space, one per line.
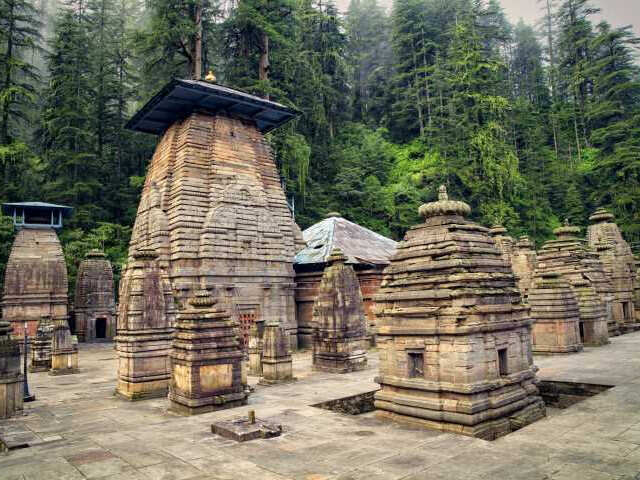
565, 394
353, 405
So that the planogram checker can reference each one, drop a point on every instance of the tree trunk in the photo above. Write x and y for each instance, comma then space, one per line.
6, 104
264, 65
196, 72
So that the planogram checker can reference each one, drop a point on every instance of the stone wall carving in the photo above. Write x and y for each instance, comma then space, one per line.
94, 299
453, 331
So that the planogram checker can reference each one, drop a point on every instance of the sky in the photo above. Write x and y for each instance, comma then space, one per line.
617, 12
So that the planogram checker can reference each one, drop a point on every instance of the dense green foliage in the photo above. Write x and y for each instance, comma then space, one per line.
528, 126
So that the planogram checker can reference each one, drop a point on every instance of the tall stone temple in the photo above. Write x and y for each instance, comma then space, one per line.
619, 265
212, 207
35, 281
453, 333
95, 305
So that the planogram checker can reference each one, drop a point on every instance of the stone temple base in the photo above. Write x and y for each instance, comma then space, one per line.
340, 363
489, 430
556, 349
10, 395
64, 363
241, 430
189, 406
142, 390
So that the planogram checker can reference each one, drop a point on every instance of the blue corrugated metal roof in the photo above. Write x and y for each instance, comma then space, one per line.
359, 244
179, 98
7, 207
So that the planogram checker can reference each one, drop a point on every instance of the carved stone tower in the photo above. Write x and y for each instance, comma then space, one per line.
454, 335
212, 207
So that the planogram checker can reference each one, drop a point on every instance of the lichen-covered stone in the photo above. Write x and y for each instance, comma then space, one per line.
554, 306
569, 256
64, 349
213, 209
277, 365
11, 394
524, 262
206, 359
619, 266
94, 299
41, 346
35, 281
453, 331
340, 326
145, 326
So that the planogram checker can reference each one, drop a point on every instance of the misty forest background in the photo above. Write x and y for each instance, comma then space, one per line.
530, 124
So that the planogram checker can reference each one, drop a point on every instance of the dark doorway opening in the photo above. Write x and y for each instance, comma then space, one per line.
582, 332
503, 367
416, 365
101, 328
626, 312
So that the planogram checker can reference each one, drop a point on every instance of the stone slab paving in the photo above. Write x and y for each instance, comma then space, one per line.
79, 430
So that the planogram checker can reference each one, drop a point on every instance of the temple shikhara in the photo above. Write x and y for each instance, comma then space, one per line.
453, 331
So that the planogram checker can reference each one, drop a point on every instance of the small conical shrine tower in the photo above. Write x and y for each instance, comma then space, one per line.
569, 256
454, 335
554, 307
94, 301
504, 242
340, 334
524, 262
619, 266
212, 207
35, 281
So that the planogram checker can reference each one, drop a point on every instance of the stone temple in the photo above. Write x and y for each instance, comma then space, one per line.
366, 251
619, 265
94, 300
212, 207
453, 333
524, 262
35, 281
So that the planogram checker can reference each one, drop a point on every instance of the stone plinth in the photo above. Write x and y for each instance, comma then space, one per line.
524, 262
145, 327
570, 256
554, 307
10, 373
277, 365
255, 349
454, 335
619, 266
244, 430
64, 349
35, 282
41, 346
339, 340
206, 359
94, 299
213, 207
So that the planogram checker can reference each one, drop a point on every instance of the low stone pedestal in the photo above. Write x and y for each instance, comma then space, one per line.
41, 346
64, 350
277, 366
207, 360
255, 349
10, 374
245, 429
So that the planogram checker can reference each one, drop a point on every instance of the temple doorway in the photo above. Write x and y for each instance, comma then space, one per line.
101, 328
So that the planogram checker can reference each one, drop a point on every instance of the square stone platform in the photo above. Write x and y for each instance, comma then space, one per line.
78, 429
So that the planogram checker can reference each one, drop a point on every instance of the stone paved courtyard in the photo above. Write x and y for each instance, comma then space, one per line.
78, 430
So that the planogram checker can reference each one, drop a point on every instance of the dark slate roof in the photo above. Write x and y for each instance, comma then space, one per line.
7, 208
180, 98
359, 244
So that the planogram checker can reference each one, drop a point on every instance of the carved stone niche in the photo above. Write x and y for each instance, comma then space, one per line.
207, 359
453, 331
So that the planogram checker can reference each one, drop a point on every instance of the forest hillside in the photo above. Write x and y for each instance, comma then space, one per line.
530, 124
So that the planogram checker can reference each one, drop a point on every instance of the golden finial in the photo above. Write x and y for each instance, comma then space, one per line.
211, 78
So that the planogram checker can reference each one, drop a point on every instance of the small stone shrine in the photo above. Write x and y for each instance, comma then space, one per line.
206, 359
277, 365
366, 251
454, 335
145, 328
619, 266
569, 256
602, 283
94, 299
255, 349
35, 281
503, 241
41, 346
339, 339
212, 207
524, 262
64, 349
554, 307
10, 373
